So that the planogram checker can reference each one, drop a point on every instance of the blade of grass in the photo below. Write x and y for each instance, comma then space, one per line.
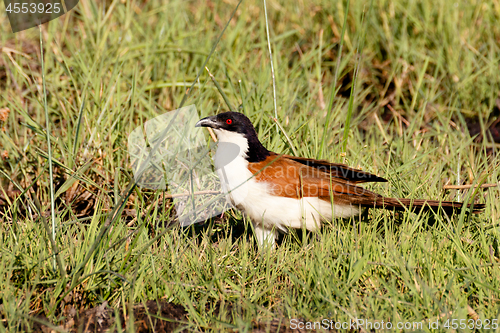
49, 151
78, 125
272, 65
219, 88
354, 81
334, 85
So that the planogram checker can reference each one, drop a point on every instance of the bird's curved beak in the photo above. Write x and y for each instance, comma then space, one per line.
208, 122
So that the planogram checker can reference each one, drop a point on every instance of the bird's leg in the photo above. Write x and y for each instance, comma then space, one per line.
265, 237
364, 213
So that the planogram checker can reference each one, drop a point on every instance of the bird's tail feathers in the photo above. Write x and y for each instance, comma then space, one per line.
417, 205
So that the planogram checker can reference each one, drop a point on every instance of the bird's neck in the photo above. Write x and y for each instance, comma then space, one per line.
248, 146
256, 151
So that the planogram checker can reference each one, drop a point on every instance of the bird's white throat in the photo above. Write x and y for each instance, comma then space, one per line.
231, 165
231, 146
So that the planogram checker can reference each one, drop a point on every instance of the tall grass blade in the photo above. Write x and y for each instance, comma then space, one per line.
334, 88
221, 91
49, 151
354, 81
272, 65
78, 125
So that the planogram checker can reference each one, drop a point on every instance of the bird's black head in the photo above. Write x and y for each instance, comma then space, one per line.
236, 122
229, 121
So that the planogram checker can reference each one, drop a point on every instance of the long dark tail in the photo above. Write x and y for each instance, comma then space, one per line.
417, 205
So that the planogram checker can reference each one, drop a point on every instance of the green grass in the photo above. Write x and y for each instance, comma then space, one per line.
422, 71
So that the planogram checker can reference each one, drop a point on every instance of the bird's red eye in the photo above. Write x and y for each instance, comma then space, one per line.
229, 121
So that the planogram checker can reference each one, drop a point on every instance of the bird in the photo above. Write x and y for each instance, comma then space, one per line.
278, 191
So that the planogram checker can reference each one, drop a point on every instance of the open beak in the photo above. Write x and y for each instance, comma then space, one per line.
208, 122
